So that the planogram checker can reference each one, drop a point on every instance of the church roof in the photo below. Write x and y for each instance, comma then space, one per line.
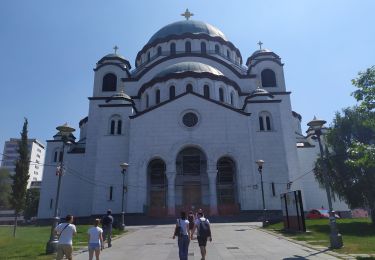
191, 66
187, 26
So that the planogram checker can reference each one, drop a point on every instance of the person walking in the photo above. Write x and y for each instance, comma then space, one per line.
95, 238
182, 231
202, 225
107, 223
65, 232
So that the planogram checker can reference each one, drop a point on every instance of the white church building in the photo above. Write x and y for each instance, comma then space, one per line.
191, 119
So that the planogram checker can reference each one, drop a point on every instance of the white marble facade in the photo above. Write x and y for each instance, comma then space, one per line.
190, 120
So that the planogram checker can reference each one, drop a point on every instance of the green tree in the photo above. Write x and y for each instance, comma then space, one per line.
32, 202
5, 188
351, 139
21, 177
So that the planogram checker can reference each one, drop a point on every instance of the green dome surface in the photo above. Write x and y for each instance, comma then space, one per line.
187, 26
189, 66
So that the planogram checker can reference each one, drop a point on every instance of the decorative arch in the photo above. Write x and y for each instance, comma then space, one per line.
172, 48
265, 121
188, 46
203, 47
191, 190
109, 82
189, 88
221, 94
172, 92
226, 186
268, 78
157, 187
157, 96
206, 91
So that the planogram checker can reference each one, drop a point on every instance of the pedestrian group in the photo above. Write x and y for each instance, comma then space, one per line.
185, 229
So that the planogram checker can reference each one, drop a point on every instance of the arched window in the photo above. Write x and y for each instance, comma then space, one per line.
115, 125
173, 48
148, 57
109, 82
217, 49
228, 54
206, 91
57, 155
221, 94
265, 123
147, 101
268, 78
203, 47
189, 88
159, 51
226, 182
172, 92
188, 46
157, 96
232, 98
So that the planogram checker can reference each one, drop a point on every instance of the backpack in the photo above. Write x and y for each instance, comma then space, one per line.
106, 220
204, 229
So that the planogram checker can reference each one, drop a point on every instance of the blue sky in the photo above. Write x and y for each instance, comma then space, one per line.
49, 48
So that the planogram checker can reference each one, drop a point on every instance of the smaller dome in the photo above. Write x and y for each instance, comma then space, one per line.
259, 92
113, 57
261, 51
189, 66
119, 95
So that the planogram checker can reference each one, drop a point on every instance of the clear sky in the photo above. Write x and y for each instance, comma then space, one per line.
49, 48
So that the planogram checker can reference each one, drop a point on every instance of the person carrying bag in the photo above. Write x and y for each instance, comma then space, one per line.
182, 232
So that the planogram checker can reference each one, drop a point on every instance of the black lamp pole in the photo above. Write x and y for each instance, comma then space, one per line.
124, 167
64, 131
316, 126
260, 170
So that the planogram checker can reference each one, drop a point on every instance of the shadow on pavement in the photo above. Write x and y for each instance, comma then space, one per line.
297, 257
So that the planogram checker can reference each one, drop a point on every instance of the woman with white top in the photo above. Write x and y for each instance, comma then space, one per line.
95, 240
182, 226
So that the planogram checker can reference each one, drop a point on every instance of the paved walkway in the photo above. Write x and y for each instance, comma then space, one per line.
230, 241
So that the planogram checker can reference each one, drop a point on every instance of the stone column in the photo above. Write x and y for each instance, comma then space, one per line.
212, 174
171, 193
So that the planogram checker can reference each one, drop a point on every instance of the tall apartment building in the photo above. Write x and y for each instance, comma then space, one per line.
36, 155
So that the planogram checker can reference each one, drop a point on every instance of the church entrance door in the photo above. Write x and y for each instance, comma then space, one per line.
191, 189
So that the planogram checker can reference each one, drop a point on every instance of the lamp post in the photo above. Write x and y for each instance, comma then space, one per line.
316, 127
65, 131
124, 167
260, 170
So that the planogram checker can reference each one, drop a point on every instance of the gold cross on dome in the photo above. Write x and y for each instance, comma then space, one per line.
260, 45
187, 14
115, 48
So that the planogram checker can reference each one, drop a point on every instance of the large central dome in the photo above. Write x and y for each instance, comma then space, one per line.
187, 26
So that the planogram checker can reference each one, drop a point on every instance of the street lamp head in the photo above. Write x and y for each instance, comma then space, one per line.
259, 163
65, 130
124, 166
316, 124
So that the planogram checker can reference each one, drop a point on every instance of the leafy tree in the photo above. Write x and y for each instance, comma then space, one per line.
5, 188
32, 202
351, 138
21, 177
365, 93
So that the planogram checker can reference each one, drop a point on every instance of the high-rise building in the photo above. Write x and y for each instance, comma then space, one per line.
36, 156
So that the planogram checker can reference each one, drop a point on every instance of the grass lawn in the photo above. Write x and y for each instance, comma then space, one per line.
30, 241
358, 234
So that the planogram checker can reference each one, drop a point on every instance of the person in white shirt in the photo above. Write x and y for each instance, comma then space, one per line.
182, 231
95, 240
65, 232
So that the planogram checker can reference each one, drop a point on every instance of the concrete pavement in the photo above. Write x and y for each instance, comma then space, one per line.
230, 241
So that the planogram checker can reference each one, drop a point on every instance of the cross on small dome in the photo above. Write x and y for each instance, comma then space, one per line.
187, 14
